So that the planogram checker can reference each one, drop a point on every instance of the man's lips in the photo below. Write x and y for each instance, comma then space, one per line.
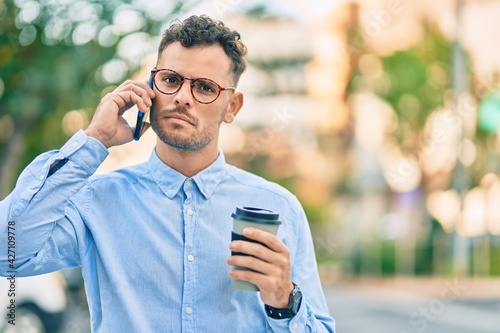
179, 118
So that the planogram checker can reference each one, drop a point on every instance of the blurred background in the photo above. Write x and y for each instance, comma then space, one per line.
382, 117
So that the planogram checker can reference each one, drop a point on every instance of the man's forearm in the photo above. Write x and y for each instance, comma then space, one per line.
42, 193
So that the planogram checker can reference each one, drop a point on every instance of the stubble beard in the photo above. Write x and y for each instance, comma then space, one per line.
176, 138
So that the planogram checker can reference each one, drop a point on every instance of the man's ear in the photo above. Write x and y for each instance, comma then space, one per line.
234, 107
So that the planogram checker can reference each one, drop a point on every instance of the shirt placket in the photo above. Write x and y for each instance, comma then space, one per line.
189, 214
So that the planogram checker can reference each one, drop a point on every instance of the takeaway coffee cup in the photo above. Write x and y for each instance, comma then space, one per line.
259, 218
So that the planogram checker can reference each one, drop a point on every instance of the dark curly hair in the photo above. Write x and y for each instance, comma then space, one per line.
204, 31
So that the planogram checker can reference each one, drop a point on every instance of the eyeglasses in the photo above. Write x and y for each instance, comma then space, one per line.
203, 90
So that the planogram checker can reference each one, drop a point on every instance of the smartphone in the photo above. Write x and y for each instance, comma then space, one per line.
140, 115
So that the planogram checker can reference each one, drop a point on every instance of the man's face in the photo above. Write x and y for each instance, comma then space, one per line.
181, 121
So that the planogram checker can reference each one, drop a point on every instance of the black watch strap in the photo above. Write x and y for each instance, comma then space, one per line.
278, 313
291, 310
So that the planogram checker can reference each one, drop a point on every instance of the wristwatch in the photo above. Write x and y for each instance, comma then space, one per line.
291, 310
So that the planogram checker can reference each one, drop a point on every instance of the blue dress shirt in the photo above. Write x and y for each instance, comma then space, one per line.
153, 243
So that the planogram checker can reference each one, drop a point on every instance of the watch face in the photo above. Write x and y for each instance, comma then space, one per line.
296, 300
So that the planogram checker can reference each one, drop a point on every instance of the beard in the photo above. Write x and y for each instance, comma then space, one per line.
176, 138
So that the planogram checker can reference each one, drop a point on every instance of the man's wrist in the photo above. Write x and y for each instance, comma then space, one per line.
291, 309
286, 298
96, 135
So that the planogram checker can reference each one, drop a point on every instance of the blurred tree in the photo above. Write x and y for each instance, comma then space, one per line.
57, 56
413, 82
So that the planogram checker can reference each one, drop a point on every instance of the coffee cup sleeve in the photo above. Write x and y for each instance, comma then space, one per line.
238, 237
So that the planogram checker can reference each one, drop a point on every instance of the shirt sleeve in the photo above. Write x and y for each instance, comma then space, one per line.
36, 212
313, 315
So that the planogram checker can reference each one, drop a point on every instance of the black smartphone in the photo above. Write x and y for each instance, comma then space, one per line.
141, 115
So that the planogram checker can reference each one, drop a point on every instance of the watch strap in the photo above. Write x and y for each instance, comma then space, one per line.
278, 313
291, 310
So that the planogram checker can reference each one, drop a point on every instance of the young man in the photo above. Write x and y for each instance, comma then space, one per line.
153, 240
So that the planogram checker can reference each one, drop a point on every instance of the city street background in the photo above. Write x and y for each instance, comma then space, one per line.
393, 305
381, 116
415, 306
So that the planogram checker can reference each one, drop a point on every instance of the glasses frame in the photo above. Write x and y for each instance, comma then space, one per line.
183, 78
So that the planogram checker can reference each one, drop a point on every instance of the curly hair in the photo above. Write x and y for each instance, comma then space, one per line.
204, 31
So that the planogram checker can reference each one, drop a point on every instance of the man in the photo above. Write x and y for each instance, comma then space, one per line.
153, 240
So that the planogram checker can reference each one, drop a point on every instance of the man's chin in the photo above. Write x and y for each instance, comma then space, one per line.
184, 144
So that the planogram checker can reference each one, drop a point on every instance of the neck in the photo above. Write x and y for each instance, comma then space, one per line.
188, 163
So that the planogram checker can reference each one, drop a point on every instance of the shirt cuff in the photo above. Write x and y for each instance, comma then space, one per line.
85, 151
295, 324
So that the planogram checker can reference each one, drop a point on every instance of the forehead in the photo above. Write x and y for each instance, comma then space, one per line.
197, 61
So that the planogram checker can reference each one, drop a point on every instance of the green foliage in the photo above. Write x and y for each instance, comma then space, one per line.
52, 55
388, 257
495, 256
413, 81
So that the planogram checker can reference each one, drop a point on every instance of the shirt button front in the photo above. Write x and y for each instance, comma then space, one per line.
190, 212
74, 144
190, 257
294, 326
189, 311
189, 183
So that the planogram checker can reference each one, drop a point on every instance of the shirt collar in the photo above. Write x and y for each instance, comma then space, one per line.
170, 181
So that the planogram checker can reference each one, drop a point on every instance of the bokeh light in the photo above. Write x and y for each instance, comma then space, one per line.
114, 71
6, 127
445, 207
127, 20
73, 121
232, 138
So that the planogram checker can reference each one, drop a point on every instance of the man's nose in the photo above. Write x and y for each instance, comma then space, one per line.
184, 96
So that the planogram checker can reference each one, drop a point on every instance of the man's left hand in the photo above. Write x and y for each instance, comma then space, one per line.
271, 266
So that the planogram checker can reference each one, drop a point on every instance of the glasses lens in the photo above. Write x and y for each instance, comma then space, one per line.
168, 81
204, 90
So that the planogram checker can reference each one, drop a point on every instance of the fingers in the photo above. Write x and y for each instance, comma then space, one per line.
141, 88
270, 271
130, 93
125, 100
257, 278
266, 238
260, 258
269, 264
108, 126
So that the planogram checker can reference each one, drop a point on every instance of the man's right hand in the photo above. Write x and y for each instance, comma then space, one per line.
108, 125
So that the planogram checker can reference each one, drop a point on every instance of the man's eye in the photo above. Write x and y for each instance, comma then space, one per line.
205, 87
171, 80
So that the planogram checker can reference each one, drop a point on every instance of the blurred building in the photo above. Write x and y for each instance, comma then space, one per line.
316, 120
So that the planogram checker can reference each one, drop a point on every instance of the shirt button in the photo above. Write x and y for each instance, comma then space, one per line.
294, 326
41, 177
74, 144
190, 257
189, 311
190, 212
189, 183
